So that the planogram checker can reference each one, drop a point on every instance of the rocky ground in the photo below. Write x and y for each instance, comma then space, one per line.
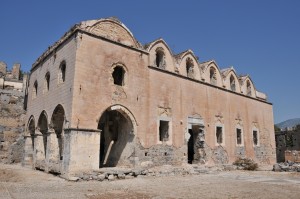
19, 182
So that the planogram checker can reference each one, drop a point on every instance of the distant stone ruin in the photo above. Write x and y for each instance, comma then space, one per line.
13, 79
12, 113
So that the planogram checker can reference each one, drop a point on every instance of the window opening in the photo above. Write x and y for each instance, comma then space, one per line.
239, 136
62, 74
189, 68
47, 81
255, 138
219, 134
232, 83
249, 89
35, 89
163, 130
118, 75
212, 76
160, 59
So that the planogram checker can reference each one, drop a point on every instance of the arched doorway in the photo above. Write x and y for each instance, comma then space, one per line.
29, 143
43, 127
117, 126
31, 129
57, 121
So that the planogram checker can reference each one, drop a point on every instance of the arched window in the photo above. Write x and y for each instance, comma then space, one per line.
35, 89
232, 83
47, 82
160, 61
118, 75
249, 92
62, 72
190, 68
213, 76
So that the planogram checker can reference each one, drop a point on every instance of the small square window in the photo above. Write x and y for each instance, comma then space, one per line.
163, 130
219, 134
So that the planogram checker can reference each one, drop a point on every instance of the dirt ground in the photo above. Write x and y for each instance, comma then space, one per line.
18, 182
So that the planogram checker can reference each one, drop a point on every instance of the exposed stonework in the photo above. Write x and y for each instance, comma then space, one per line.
11, 126
97, 98
286, 141
3, 69
16, 71
12, 79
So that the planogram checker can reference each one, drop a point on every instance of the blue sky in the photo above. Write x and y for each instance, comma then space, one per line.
258, 37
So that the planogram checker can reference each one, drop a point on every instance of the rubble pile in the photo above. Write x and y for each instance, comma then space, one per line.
110, 174
288, 166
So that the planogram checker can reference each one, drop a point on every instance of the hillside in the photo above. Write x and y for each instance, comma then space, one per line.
289, 123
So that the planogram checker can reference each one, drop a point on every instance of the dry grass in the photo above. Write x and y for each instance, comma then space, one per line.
246, 163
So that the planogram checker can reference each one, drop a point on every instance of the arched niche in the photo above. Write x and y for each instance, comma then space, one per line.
113, 29
247, 86
231, 81
211, 74
188, 65
160, 55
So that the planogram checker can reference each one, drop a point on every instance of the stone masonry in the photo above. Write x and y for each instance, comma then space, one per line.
98, 98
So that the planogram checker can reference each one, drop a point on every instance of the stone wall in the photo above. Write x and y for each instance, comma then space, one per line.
11, 126
3, 68
286, 140
16, 71
149, 97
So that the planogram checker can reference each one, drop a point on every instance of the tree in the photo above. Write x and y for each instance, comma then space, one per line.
276, 128
297, 127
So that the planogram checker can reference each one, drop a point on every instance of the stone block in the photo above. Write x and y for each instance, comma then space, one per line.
111, 177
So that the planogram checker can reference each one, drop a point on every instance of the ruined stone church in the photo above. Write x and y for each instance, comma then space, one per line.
98, 98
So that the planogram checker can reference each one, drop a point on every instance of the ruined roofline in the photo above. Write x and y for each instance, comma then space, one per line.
88, 27
53, 47
122, 36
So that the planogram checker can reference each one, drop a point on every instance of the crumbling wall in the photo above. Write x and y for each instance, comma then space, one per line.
11, 126
16, 71
240, 152
219, 155
264, 152
286, 140
3, 68
160, 154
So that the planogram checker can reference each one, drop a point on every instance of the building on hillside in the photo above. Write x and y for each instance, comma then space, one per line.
12, 79
98, 98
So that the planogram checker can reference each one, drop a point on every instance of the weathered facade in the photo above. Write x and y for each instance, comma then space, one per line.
98, 98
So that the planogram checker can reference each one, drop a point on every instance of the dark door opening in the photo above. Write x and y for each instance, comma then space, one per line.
191, 147
116, 133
